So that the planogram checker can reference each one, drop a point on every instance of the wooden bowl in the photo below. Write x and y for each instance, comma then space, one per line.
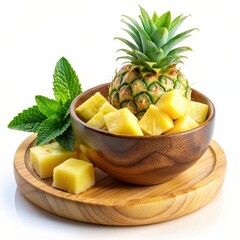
142, 160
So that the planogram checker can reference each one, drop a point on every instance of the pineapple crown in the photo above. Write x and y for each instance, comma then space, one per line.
154, 41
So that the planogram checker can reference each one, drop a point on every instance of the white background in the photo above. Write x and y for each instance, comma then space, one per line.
34, 35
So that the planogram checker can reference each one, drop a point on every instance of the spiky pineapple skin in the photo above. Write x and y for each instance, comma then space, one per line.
137, 90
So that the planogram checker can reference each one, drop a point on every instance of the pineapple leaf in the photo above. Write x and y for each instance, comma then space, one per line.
147, 22
141, 56
131, 45
136, 38
175, 40
142, 34
170, 60
136, 34
164, 20
154, 17
175, 24
160, 36
178, 50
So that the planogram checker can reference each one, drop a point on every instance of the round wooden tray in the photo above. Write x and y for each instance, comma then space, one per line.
111, 202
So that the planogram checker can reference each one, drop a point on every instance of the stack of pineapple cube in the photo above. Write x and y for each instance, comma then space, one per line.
172, 113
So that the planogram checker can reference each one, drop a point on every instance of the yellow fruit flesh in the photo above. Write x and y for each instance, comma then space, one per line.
74, 176
107, 108
46, 157
90, 107
173, 103
183, 124
198, 111
97, 121
123, 122
155, 122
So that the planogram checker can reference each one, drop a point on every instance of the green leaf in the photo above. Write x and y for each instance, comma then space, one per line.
154, 17
128, 43
146, 21
66, 139
178, 50
160, 36
175, 24
47, 106
28, 120
51, 128
164, 20
66, 83
177, 39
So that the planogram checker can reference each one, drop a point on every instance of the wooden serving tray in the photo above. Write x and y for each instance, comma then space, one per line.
111, 202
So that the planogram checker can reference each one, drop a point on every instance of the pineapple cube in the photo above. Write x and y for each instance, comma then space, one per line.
97, 121
155, 121
173, 103
46, 157
107, 108
123, 122
90, 107
74, 176
183, 124
198, 111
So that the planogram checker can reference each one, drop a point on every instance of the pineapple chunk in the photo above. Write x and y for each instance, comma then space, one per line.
183, 124
155, 121
74, 176
198, 111
46, 157
90, 107
97, 121
107, 108
123, 122
173, 103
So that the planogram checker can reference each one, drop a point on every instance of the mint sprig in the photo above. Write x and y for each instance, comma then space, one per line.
50, 118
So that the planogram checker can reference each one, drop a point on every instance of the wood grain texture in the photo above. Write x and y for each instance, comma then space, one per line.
111, 202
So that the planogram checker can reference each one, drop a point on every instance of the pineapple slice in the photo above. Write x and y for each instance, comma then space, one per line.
46, 157
123, 122
183, 124
74, 176
155, 121
198, 111
173, 103
90, 107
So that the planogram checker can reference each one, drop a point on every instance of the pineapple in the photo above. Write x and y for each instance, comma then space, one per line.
90, 107
123, 122
174, 104
74, 176
155, 122
152, 58
198, 111
98, 119
183, 124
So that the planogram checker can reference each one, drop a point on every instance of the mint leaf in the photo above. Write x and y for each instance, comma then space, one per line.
47, 106
66, 139
51, 128
66, 83
50, 118
28, 120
